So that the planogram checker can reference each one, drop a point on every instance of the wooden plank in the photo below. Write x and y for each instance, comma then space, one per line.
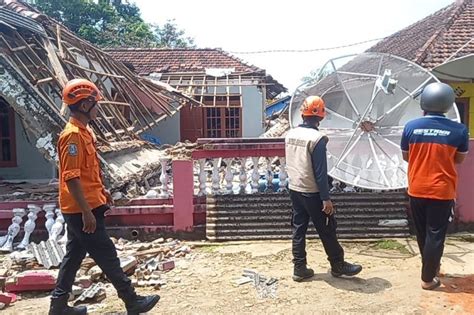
93, 71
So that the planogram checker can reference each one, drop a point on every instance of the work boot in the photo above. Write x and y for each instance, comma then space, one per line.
142, 304
302, 272
59, 306
344, 268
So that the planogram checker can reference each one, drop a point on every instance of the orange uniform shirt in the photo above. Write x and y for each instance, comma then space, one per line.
432, 143
78, 159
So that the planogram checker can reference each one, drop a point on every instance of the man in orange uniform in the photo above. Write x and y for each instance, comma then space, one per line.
84, 202
432, 145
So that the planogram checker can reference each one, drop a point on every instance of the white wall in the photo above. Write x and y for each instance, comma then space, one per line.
252, 112
168, 130
30, 163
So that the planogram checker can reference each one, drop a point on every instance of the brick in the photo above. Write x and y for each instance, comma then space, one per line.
7, 298
84, 282
31, 281
166, 265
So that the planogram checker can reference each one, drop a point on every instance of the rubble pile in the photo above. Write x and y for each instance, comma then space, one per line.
266, 287
278, 129
180, 151
146, 263
10, 191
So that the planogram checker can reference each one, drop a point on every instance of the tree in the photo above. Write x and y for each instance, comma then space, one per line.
111, 23
170, 36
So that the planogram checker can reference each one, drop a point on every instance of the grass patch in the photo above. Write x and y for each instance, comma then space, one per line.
391, 245
209, 248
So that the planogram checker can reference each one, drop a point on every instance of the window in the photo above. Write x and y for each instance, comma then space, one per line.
213, 123
7, 135
223, 122
232, 122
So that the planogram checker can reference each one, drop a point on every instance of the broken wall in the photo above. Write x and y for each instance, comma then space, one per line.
42, 121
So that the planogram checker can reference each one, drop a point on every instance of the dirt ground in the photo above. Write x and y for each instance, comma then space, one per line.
204, 282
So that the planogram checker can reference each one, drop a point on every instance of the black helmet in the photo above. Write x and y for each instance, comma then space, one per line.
437, 98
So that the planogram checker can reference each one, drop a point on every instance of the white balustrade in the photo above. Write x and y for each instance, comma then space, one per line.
164, 178
223, 180
243, 175
283, 176
215, 177
30, 225
202, 177
255, 175
229, 176
269, 176
63, 239
13, 230
49, 209
57, 227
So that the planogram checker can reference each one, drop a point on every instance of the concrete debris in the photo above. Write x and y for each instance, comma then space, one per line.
49, 253
83, 282
7, 299
181, 150
95, 273
31, 281
95, 294
27, 191
151, 194
77, 290
147, 263
266, 286
280, 127
128, 264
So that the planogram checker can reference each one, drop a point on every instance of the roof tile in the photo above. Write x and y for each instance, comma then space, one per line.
148, 60
434, 39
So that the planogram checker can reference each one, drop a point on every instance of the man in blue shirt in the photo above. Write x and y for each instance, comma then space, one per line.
305, 151
432, 146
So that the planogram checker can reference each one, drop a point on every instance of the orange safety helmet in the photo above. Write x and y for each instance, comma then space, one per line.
78, 89
313, 106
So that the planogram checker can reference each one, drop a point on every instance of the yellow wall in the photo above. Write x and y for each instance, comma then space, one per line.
466, 90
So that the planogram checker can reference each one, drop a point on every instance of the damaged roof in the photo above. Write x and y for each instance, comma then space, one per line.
169, 62
38, 56
445, 34
165, 60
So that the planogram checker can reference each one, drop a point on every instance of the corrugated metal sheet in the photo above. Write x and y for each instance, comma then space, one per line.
268, 216
17, 20
49, 253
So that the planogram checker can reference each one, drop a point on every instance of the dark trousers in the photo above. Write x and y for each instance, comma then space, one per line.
431, 218
306, 207
100, 248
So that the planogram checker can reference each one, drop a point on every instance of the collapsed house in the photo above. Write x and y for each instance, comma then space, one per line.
233, 93
37, 57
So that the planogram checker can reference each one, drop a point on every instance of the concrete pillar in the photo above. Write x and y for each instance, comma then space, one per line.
183, 195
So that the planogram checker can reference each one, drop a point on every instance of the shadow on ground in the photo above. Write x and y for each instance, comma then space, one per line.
354, 284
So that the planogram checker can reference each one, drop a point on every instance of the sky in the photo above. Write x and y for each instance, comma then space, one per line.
262, 25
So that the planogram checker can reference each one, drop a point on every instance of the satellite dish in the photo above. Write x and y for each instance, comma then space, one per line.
369, 98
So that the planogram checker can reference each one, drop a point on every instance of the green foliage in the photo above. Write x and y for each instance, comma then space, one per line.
111, 23
169, 35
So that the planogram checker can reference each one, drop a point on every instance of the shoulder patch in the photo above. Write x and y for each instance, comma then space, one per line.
72, 149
